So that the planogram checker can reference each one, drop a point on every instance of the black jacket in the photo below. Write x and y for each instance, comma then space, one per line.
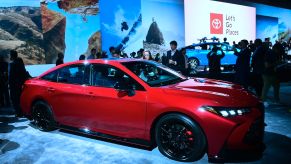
17, 74
3, 72
168, 57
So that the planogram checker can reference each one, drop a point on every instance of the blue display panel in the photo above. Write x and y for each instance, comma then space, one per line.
121, 23
267, 27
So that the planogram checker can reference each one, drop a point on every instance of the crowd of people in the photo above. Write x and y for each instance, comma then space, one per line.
257, 65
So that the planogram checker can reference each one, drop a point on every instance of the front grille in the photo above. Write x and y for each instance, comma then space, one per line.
255, 134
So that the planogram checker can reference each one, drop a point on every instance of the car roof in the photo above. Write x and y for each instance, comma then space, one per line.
102, 61
210, 43
207, 43
110, 61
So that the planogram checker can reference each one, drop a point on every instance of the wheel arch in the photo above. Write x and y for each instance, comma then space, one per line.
40, 99
154, 123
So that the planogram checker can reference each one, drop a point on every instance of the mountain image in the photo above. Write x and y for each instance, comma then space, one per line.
21, 30
54, 29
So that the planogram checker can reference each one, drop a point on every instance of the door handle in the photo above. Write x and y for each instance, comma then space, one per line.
91, 94
51, 90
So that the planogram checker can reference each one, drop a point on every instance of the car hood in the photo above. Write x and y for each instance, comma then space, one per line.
219, 92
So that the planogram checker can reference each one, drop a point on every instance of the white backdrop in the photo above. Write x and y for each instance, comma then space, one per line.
239, 22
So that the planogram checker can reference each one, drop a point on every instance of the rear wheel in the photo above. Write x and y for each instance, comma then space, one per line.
42, 116
179, 138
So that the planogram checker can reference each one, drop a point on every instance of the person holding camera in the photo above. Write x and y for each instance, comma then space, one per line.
214, 62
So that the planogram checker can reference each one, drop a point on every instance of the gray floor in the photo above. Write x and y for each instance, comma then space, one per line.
24, 144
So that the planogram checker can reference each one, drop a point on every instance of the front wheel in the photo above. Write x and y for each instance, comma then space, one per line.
42, 116
179, 138
194, 63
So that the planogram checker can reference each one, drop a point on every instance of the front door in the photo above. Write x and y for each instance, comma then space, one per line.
111, 111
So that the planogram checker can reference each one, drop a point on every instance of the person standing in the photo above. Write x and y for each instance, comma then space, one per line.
82, 57
117, 54
258, 66
112, 52
4, 92
182, 62
17, 76
242, 64
93, 54
225, 41
60, 59
147, 55
172, 56
214, 62
270, 78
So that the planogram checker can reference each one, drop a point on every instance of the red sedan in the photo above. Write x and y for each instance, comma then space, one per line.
147, 104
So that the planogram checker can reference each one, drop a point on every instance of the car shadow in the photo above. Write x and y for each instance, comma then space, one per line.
5, 124
277, 151
6, 145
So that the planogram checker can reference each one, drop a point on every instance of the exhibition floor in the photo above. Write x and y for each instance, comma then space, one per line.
22, 143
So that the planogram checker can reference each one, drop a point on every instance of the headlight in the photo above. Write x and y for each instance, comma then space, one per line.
227, 112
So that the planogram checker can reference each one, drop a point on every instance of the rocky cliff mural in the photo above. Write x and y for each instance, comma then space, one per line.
20, 30
71, 27
155, 40
54, 26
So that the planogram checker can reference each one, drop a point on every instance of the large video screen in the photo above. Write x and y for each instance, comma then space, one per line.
217, 19
151, 24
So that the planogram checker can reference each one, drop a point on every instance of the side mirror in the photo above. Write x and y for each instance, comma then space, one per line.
124, 87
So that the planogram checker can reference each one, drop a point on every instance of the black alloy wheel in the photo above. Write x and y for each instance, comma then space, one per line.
179, 138
42, 116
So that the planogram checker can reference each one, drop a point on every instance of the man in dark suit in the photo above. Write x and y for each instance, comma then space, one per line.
243, 64
17, 77
182, 62
258, 66
171, 59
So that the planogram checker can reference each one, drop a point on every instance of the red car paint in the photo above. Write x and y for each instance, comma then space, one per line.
108, 111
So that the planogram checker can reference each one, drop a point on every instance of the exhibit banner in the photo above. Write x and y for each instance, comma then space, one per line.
217, 19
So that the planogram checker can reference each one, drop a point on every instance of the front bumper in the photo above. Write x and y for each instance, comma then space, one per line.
245, 138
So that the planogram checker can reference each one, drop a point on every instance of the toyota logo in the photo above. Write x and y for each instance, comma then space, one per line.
216, 24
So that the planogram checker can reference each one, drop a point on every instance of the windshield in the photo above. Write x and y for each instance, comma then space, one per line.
154, 74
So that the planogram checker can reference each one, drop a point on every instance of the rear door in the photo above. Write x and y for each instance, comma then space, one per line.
67, 95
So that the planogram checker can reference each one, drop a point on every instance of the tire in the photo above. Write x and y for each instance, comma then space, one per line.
179, 138
42, 117
194, 63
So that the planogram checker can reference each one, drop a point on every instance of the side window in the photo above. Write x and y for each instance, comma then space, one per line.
107, 76
75, 74
51, 76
